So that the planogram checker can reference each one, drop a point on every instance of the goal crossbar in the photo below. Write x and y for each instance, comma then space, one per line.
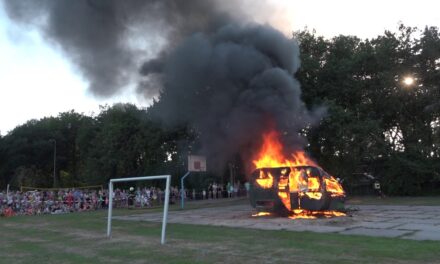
165, 208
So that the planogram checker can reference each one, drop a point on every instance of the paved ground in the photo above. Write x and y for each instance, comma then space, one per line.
407, 222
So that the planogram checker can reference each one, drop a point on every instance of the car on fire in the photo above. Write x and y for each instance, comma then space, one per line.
283, 190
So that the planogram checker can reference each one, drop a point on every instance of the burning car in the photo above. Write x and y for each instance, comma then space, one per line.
294, 186
284, 190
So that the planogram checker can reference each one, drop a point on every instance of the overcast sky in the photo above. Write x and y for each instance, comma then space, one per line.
36, 81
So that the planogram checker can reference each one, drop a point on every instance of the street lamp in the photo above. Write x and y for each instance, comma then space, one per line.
54, 161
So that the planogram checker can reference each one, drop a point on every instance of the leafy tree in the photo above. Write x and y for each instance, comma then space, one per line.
375, 122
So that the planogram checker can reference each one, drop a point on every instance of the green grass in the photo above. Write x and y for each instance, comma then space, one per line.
80, 238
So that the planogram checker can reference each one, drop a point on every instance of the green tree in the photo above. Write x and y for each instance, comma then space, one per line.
375, 122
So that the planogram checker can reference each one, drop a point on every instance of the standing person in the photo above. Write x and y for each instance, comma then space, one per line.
210, 191
214, 189
142, 199
69, 200
131, 197
154, 195
219, 191
106, 200
377, 189
148, 193
94, 200
101, 200
231, 190
9, 200
172, 196
160, 195
247, 187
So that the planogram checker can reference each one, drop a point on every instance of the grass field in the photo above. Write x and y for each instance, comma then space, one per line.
80, 238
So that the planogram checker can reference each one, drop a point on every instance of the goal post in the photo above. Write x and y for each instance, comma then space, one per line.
166, 203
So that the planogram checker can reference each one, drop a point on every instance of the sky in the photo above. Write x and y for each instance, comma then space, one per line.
36, 80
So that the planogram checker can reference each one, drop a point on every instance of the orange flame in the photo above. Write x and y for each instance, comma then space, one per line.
283, 192
271, 154
298, 180
262, 214
264, 181
305, 214
333, 186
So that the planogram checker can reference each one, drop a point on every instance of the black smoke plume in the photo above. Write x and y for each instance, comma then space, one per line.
233, 85
106, 39
229, 78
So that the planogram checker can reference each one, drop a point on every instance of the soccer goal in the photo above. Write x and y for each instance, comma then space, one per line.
165, 208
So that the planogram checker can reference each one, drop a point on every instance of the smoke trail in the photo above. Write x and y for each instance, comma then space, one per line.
217, 70
106, 39
233, 85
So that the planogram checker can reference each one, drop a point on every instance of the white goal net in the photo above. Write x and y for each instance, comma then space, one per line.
142, 178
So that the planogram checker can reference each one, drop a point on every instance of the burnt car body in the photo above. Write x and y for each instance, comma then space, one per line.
284, 189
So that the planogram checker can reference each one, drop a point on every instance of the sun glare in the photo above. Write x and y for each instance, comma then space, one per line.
408, 80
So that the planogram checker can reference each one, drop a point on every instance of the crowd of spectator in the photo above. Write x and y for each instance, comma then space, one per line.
216, 191
76, 200
51, 202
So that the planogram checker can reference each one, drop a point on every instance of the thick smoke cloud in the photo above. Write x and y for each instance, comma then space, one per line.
105, 39
233, 85
229, 78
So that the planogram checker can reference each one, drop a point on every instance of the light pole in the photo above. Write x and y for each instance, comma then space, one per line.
54, 161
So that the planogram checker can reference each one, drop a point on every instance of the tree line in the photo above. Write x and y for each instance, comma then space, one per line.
121, 141
377, 122
383, 118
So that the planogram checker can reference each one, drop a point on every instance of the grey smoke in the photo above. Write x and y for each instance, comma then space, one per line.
233, 85
230, 79
103, 38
